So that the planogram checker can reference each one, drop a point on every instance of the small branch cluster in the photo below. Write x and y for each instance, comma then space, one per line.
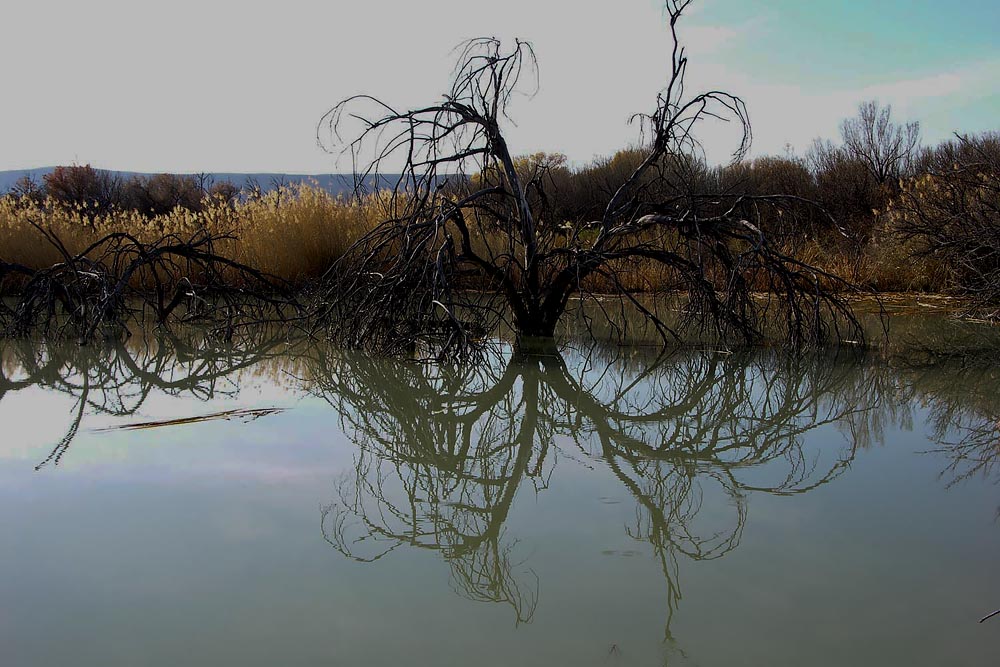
96, 292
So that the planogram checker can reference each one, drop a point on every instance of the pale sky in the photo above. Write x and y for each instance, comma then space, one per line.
215, 85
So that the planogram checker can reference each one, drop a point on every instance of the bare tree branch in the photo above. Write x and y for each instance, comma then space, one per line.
467, 218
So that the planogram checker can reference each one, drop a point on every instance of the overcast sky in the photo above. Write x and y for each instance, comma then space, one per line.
212, 85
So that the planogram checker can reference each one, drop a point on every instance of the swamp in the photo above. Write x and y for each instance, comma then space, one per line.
484, 407
277, 501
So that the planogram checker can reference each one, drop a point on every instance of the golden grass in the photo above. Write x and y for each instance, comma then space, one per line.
294, 232
887, 263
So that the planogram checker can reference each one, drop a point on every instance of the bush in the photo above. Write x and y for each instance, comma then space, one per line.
90, 189
952, 213
967, 151
27, 190
162, 193
224, 191
848, 190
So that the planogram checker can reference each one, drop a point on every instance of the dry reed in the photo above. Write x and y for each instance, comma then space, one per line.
297, 231
294, 232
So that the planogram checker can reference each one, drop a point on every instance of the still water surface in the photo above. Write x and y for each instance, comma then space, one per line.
605, 507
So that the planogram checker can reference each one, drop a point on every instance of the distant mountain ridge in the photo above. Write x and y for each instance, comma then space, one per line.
333, 183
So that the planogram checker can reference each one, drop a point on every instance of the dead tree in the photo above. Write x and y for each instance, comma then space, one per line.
468, 241
887, 149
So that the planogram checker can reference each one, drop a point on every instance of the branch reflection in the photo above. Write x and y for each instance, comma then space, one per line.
443, 451
117, 379
960, 393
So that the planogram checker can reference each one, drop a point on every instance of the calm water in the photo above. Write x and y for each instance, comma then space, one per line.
605, 507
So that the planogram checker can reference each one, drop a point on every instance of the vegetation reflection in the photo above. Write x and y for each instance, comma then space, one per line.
118, 378
443, 451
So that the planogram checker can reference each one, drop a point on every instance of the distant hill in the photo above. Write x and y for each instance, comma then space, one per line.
334, 183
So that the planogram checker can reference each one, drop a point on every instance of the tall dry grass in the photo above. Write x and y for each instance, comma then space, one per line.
297, 231
294, 232
887, 262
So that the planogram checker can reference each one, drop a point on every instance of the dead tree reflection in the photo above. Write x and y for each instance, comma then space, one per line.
454, 444
443, 451
117, 379
960, 393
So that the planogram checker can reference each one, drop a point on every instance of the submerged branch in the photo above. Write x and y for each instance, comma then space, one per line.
97, 292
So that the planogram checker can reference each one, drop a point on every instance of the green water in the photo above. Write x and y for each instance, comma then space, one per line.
602, 507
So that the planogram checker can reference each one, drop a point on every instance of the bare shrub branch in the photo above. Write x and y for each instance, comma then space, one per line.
467, 218
96, 292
